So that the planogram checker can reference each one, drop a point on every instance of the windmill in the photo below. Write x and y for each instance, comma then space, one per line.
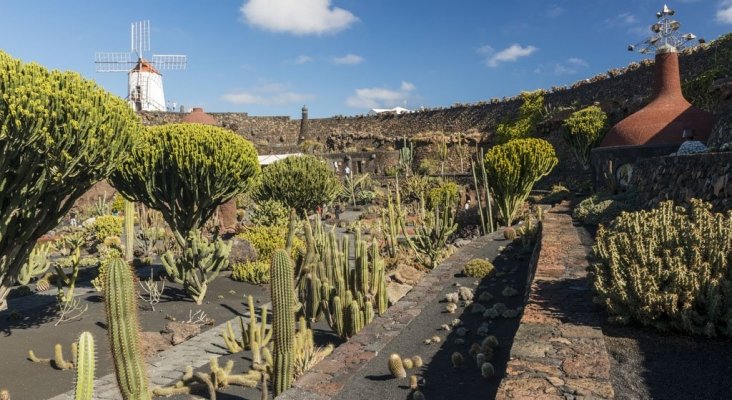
144, 81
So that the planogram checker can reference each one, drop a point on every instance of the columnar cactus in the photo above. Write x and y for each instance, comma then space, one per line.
123, 326
60, 135
36, 265
254, 335
512, 170
85, 365
396, 367
283, 312
129, 230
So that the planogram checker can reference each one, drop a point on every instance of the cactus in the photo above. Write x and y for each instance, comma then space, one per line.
129, 225
85, 365
457, 360
58, 361
513, 168
200, 264
417, 361
396, 367
413, 383
406, 157
254, 335
122, 324
417, 395
408, 363
36, 265
431, 237
487, 370
486, 214
283, 312
509, 233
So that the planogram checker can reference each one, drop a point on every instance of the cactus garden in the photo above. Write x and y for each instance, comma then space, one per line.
568, 243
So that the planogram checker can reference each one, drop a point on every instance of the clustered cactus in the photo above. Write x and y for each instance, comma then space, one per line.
668, 267
255, 335
329, 287
37, 264
478, 268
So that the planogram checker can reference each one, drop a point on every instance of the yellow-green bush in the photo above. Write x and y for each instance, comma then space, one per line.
478, 268
267, 239
255, 272
103, 227
445, 190
583, 130
668, 268
513, 168
270, 213
529, 116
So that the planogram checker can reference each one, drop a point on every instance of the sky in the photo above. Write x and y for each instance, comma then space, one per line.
344, 57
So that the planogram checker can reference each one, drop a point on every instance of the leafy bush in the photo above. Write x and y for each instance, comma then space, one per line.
59, 134
267, 239
530, 114
668, 268
558, 194
583, 130
118, 203
478, 268
254, 272
186, 171
513, 169
428, 166
445, 189
270, 213
602, 208
301, 182
103, 227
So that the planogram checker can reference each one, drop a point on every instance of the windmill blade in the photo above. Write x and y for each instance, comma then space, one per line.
113, 62
140, 37
169, 61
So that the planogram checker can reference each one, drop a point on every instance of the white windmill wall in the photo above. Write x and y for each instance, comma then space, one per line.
145, 91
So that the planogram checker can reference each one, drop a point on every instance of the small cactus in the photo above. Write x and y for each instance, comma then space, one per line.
4, 394
413, 384
457, 360
417, 395
396, 367
480, 359
491, 341
408, 364
509, 233
487, 370
436, 339
451, 308
417, 361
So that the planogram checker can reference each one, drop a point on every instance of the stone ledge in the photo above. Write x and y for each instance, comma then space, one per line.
559, 351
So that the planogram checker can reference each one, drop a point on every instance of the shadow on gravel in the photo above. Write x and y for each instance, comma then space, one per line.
28, 318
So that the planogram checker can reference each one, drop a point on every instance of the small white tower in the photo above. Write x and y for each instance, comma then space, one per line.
144, 81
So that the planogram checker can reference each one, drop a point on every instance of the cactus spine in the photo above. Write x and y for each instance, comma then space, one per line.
85, 364
123, 327
129, 230
283, 312
396, 367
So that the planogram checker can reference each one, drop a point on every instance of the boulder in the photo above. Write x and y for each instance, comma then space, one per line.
241, 251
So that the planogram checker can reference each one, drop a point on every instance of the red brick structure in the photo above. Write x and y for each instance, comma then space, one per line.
227, 211
664, 119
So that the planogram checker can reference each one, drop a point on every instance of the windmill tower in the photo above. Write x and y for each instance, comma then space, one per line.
144, 80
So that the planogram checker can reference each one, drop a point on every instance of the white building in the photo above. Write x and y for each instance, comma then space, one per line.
145, 88
395, 110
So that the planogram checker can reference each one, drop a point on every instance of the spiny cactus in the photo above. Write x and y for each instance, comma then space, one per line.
255, 335
509, 233
413, 383
487, 370
199, 265
430, 238
124, 328
283, 299
457, 360
36, 265
668, 268
417, 361
58, 361
129, 225
396, 367
408, 364
485, 212
217, 378
85, 365
512, 170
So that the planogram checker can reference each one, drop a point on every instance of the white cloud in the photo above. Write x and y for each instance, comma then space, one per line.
571, 66
302, 59
380, 97
348, 59
577, 61
509, 54
724, 14
554, 11
299, 17
270, 94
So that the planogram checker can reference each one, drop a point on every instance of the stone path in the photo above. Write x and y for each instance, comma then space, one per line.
327, 379
168, 366
559, 351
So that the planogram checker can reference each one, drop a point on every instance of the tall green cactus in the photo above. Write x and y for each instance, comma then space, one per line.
431, 236
129, 230
60, 135
406, 156
36, 265
283, 315
85, 365
123, 326
199, 265
486, 213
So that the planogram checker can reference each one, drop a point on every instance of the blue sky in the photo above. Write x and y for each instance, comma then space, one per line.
269, 57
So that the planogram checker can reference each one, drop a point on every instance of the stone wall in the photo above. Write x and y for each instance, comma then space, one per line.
680, 178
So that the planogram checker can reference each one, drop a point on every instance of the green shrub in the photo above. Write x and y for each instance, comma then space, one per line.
583, 130
301, 182
270, 213
445, 189
267, 239
428, 166
668, 268
513, 169
59, 134
118, 203
103, 227
530, 114
602, 208
478, 268
254, 272
186, 171
558, 194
